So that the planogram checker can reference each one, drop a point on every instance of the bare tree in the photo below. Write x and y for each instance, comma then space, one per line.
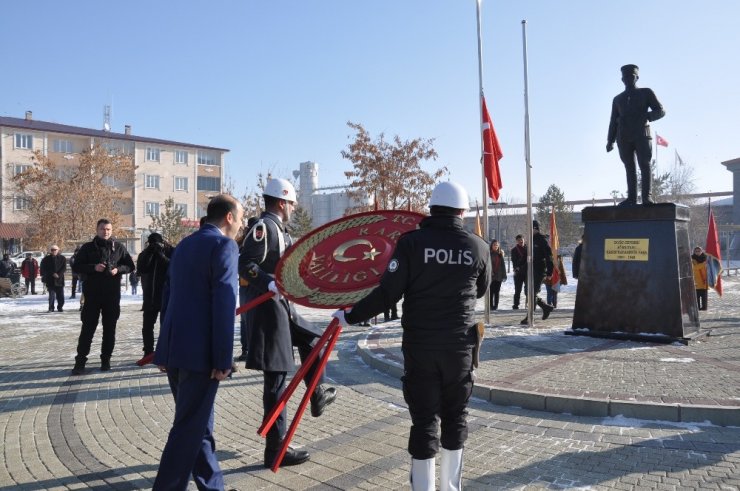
169, 222
65, 201
390, 172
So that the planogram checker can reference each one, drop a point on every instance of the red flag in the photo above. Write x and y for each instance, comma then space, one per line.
491, 155
554, 246
714, 257
659, 140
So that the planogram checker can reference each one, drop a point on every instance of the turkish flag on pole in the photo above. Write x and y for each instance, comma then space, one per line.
714, 257
554, 246
491, 155
659, 140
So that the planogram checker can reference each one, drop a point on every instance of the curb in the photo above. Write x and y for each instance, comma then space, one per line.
578, 406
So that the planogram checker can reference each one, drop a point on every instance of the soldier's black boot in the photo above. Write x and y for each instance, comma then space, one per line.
322, 397
546, 309
291, 457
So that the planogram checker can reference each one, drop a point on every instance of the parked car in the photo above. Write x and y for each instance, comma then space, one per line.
18, 258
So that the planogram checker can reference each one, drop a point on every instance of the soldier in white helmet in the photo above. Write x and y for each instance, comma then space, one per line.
276, 326
440, 270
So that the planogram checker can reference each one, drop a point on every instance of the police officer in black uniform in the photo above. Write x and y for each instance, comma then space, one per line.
276, 326
440, 270
632, 110
541, 268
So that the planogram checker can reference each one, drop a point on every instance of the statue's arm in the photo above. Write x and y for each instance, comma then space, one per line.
612, 134
656, 108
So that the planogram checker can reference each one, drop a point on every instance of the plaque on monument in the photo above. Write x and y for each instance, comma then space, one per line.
636, 279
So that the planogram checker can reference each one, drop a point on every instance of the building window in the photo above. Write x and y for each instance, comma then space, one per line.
181, 183
63, 146
24, 140
182, 208
151, 208
181, 157
206, 158
209, 183
109, 181
20, 168
151, 182
20, 203
152, 154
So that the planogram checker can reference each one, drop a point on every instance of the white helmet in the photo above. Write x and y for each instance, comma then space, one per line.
450, 194
281, 189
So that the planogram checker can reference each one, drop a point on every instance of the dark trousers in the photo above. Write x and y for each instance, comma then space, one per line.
147, 330
56, 293
495, 290
190, 448
32, 283
246, 320
274, 385
641, 149
701, 298
437, 383
91, 311
519, 280
552, 296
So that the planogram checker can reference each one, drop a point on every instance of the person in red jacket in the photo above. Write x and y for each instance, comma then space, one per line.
30, 270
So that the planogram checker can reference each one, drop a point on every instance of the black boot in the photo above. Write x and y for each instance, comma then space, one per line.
79, 368
291, 457
104, 364
546, 309
322, 397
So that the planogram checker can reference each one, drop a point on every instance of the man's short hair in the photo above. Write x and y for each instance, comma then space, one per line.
103, 221
519, 236
446, 211
219, 206
271, 201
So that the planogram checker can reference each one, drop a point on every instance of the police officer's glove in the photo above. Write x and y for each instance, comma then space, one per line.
274, 289
339, 315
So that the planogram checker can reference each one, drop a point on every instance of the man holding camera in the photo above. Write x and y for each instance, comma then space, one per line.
100, 262
152, 266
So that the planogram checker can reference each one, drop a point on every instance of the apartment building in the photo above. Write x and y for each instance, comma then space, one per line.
187, 172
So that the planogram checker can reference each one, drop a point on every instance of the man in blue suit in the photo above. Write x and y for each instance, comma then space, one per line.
196, 342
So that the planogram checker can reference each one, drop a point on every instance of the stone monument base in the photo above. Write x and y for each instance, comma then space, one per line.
636, 279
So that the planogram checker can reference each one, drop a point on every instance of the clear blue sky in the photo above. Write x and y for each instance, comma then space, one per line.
276, 81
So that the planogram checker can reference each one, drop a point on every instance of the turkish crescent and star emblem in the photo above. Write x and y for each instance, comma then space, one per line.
340, 262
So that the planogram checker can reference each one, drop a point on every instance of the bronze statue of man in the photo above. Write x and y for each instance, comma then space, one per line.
632, 110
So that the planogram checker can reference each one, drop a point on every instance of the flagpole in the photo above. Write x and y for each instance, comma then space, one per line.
484, 190
527, 155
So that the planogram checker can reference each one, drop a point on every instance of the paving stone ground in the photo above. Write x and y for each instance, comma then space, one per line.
107, 430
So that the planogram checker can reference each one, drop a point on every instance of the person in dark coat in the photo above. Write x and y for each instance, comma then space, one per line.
6, 266
100, 262
498, 272
542, 267
519, 267
196, 343
53, 266
277, 326
30, 270
440, 269
133, 280
152, 265
75, 277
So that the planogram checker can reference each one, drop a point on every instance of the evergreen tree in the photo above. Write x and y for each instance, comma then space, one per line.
169, 222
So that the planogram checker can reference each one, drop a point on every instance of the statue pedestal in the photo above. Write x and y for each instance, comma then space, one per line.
636, 279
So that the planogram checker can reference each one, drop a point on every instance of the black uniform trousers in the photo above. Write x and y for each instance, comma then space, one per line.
437, 383
274, 386
642, 149
95, 305
147, 330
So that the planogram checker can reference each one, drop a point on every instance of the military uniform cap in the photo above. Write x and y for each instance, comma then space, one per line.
629, 69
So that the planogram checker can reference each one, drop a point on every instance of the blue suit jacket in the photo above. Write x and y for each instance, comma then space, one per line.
198, 303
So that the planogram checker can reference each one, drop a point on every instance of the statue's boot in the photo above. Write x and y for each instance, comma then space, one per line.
647, 198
